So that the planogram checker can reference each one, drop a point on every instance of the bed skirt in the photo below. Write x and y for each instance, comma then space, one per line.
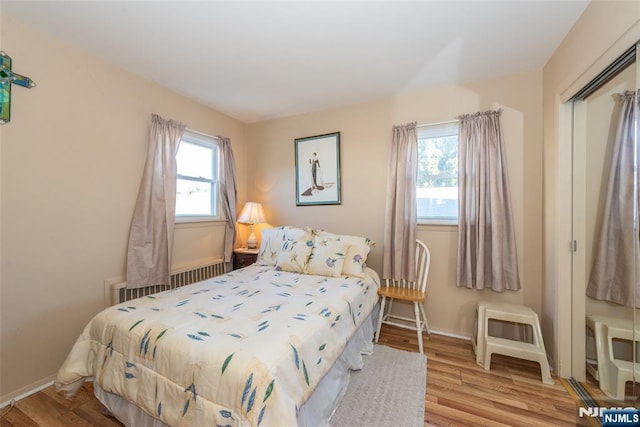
316, 411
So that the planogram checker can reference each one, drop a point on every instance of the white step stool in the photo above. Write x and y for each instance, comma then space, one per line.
485, 345
612, 373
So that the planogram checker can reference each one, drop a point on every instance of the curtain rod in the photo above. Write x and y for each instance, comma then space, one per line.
202, 133
439, 123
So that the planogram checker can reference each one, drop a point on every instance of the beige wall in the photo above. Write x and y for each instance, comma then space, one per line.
71, 162
72, 157
604, 31
365, 138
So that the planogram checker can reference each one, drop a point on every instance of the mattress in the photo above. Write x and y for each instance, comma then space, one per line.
246, 348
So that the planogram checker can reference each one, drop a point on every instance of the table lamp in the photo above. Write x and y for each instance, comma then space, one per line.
252, 214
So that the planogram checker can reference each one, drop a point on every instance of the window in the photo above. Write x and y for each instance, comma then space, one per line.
437, 181
197, 183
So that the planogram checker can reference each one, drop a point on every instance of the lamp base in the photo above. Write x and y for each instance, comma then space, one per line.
252, 241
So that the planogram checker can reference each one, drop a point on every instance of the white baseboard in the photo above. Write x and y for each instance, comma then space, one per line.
449, 334
12, 398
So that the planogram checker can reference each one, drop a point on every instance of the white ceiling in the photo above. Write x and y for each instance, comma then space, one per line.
265, 59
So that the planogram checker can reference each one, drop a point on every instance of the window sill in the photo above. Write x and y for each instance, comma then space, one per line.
192, 219
438, 226
438, 222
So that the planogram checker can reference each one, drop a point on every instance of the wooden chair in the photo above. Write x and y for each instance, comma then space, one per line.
403, 290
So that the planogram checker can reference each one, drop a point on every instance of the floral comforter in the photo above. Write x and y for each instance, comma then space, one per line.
245, 348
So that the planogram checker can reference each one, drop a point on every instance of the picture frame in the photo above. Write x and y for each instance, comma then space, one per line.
318, 170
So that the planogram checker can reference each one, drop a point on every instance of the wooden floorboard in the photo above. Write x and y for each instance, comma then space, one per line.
462, 393
459, 392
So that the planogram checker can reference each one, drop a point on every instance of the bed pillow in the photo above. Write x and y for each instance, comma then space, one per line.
327, 256
294, 255
274, 239
356, 256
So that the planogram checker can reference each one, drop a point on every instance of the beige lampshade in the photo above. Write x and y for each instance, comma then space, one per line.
252, 213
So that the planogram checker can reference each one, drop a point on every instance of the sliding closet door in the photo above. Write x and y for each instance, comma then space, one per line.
595, 121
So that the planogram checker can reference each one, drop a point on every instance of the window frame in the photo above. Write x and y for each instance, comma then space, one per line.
426, 220
209, 142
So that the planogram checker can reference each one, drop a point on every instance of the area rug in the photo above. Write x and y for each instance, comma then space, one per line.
388, 391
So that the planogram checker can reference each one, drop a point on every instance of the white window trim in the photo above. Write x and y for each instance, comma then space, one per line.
434, 221
199, 138
185, 219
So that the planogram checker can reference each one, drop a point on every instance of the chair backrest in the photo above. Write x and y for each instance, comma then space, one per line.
423, 263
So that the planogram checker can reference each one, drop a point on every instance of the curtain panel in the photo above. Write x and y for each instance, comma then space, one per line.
228, 195
486, 239
614, 272
400, 214
151, 235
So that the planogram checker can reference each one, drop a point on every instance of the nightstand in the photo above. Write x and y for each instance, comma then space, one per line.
243, 257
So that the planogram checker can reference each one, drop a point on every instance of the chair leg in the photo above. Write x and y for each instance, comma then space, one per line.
418, 327
380, 317
424, 319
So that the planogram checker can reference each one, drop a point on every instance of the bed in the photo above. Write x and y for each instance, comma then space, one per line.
270, 344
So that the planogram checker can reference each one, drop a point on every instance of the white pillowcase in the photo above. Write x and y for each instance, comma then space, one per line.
327, 256
356, 254
276, 240
294, 256
310, 251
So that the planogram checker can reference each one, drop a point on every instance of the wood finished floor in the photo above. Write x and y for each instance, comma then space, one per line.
459, 392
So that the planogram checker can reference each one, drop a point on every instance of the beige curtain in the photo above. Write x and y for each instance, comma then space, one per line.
400, 214
486, 239
613, 275
228, 195
151, 234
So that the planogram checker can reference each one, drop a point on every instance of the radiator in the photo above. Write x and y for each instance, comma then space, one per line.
116, 290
